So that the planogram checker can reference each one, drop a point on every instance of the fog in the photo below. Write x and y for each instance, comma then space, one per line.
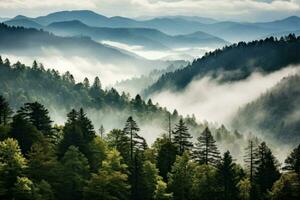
184, 53
81, 67
215, 102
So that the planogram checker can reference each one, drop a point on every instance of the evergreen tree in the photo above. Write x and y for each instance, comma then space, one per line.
111, 180
12, 166
5, 111
267, 169
251, 161
86, 83
206, 151
228, 177
181, 137
180, 178
119, 140
75, 174
24, 132
131, 129
166, 157
292, 162
38, 115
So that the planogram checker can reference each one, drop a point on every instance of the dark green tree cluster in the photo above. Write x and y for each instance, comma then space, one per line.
39, 160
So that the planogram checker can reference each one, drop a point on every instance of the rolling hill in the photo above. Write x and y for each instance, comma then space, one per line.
149, 38
228, 30
234, 62
276, 113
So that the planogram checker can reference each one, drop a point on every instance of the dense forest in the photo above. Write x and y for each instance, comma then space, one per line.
235, 62
60, 93
275, 112
42, 161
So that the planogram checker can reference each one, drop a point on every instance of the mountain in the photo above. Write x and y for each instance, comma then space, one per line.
32, 42
149, 38
234, 62
284, 33
228, 30
3, 19
203, 20
290, 23
23, 22
276, 113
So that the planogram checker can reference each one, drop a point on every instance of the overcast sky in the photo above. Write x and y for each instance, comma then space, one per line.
239, 10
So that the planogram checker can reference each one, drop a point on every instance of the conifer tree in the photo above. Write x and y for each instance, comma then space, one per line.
206, 150
292, 162
251, 164
131, 129
267, 169
181, 137
86, 83
5, 111
228, 178
38, 115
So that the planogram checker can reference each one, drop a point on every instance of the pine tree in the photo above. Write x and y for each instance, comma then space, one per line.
13, 165
181, 137
181, 177
267, 169
292, 162
38, 115
86, 83
5, 111
24, 132
166, 156
131, 129
206, 149
228, 177
101, 131
75, 174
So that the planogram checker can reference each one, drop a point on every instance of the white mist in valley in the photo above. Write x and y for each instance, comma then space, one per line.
216, 102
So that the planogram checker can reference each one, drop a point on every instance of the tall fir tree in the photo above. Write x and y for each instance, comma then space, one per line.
228, 177
267, 171
292, 162
206, 150
38, 115
5, 111
181, 137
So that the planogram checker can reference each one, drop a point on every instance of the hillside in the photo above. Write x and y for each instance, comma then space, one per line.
275, 113
147, 37
234, 62
31, 42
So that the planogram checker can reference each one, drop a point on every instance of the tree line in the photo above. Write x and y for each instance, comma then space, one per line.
39, 160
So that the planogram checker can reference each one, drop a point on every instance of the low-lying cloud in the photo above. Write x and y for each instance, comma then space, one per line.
215, 102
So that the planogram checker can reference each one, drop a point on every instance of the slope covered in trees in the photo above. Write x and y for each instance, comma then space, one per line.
20, 84
42, 161
275, 112
234, 62
32, 42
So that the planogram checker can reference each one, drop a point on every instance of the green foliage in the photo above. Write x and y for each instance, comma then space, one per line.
5, 111
205, 184
24, 132
236, 61
166, 156
287, 188
75, 173
181, 137
244, 186
267, 169
181, 177
110, 182
206, 150
292, 162
12, 166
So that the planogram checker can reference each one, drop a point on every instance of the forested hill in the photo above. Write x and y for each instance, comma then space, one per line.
276, 112
235, 62
20, 84
33, 42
